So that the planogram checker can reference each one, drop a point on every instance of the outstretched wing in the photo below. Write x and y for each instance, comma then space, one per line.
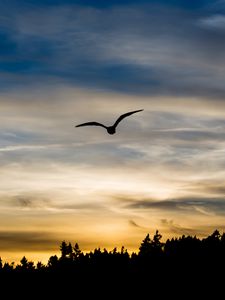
126, 115
91, 124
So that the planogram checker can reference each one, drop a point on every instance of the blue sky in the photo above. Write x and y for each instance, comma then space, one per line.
113, 45
67, 62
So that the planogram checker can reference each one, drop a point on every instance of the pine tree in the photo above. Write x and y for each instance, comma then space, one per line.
146, 246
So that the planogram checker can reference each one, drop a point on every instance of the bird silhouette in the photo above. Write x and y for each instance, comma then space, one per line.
110, 129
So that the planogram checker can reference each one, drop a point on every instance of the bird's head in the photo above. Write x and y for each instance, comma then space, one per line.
111, 129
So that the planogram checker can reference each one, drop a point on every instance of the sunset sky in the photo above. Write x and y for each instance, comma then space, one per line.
67, 62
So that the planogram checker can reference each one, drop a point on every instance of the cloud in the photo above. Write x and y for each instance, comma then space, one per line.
23, 148
30, 135
142, 49
28, 240
199, 231
40, 144
210, 187
134, 224
204, 206
214, 22
30, 201
179, 230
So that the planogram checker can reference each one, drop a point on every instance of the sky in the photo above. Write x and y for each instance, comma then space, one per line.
67, 62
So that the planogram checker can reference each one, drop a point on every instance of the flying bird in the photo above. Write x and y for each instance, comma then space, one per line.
110, 129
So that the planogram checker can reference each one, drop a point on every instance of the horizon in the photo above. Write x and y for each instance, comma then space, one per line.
44, 257
68, 62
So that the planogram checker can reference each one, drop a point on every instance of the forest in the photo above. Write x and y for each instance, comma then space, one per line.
181, 261
184, 249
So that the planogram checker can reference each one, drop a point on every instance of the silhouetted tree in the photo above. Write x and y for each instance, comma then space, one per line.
8, 267
64, 249
26, 265
40, 266
145, 248
77, 251
53, 262
150, 248
156, 245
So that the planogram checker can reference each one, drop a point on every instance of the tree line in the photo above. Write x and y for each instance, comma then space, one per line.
184, 252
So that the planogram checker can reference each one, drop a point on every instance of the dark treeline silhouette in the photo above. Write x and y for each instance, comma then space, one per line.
184, 261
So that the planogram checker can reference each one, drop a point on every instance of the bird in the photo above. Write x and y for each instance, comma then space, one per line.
110, 129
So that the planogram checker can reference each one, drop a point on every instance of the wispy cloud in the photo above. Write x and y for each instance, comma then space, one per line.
214, 22
205, 206
134, 224
138, 48
28, 240
29, 201
199, 231
180, 230
24, 148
